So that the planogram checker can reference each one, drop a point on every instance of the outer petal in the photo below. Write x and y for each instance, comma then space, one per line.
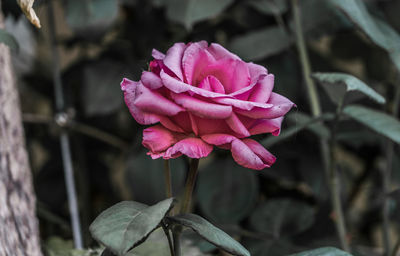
219, 139
153, 102
242, 104
237, 126
179, 87
220, 52
267, 126
151, 80
192, 147
268, 158
263, 89
280, 106
157, 138
202, 108
195, 59
173, 59
129, 89
157, 54
244, 156
256, 71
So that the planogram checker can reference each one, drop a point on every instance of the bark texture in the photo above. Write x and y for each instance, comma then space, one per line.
19, 233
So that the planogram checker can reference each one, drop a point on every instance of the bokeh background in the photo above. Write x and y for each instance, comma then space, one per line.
275, 211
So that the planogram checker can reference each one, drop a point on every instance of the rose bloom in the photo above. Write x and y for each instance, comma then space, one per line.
201, 96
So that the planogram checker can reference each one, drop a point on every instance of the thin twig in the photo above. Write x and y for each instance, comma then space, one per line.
168, 235
191, 179
64, 138
167, 174
387, 173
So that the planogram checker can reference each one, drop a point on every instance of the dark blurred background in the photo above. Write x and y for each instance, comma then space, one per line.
276, 211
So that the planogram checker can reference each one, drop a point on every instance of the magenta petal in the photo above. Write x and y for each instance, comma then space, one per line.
262, 90
237, 126
129, 88
267, 126
173, 59
193, 124
202, 108
178, 87
218, 139
151, 80
157, 138
169, 124
220, 52
256, 71
268, 158
153, 102
195, 59
211, 83
157, 54
243, 104
245, 157
191, 147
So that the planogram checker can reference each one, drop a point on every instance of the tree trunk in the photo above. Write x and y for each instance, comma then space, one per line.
19, 233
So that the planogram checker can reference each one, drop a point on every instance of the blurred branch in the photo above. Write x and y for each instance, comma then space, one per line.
327, 152
85, 129
64, 138
387, 173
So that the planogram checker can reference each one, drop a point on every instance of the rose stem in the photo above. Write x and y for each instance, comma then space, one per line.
316, 111
187, 196
387, 173
167, 173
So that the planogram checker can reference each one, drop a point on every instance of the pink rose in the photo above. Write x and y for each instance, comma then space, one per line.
203, 96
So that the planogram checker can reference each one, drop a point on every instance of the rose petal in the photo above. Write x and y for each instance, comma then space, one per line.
202, 108
280, 106
129, 89
179, 87
262, 90
153, 102
256, 71
245, 157
233, 74
237, 126
173, 59
193, 124
191, 147
171, 125
195, 59
157, 138
219, 139
151, 80
220, 52
268, 158
157, 54
267, 126
211, 83
242, 104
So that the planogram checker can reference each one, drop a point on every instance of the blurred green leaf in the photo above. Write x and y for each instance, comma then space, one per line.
211, 233
101, 91
338, 84
376, 30
127, 224
9, 40
91, 15
188, 12
282, 217
269, 7
145, 177
273, 247
325, 251
56, 246
302, 121
226, 192
375, 120
260, 44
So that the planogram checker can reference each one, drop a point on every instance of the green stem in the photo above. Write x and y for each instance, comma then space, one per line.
335, 183
387, 173
187, 196
167, 173
167, 234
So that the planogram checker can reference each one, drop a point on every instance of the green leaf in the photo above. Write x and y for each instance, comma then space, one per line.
127, 224
375, 120
269, 7
211, 233
302, 121
282, 217
9, 40
101, 92
325, 251
273, 247
261, 44
90, 15
226, 192
376, 30
338, 84
188, 12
